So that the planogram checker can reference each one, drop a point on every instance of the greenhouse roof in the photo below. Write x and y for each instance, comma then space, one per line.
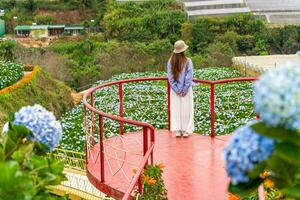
39, 27
22, 28
57, 26
74, 27
34, 27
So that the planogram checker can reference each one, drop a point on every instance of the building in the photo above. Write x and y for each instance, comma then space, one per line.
73, 29
215, 7
2, 27
41, 31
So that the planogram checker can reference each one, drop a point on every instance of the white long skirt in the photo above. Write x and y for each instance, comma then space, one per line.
182, 112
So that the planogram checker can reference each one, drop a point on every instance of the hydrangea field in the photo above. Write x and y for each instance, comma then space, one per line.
147, 102
10, 73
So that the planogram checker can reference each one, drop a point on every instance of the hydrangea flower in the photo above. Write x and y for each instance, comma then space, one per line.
245, 149
277, 97
41, 123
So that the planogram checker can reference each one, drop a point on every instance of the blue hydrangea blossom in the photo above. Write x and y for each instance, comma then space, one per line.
245, 149
41, 123
277, 97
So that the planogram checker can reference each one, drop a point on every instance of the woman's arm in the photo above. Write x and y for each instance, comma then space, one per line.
172, 82
188, 80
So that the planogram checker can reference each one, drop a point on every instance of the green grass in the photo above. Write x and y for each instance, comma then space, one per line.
43, 90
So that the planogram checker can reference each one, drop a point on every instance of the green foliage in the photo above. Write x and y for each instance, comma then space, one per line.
44, 90
203, 34
243, 24
186, 32
7, 50
261, 43
26, 171
150, 20
44, 20
8, 4
285, 39
91, 60
219, 55
284, 164
245, 44
230, 38
153, 184
30, 5
10, 73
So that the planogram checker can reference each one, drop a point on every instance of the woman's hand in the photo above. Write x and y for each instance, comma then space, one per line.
181, 94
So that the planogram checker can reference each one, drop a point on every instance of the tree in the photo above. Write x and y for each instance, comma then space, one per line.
30, 5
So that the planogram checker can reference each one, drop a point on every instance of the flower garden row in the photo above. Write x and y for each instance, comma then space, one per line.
147, 102
10, 73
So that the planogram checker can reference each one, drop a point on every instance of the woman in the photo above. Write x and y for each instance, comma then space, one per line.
180, 75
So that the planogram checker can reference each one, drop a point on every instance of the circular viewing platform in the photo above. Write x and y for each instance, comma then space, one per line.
194, 168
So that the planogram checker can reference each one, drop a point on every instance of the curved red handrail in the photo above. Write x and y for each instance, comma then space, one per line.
149, 151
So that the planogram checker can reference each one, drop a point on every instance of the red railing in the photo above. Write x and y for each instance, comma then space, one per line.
148, 146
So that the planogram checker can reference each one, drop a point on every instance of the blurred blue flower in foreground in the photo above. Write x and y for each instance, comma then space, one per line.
277, 97
245, 149
41, 123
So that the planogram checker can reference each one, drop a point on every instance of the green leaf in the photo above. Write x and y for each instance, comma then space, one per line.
289, 152
257, 170
11, 116
292, 191
10, 144
14, 184
281, 174
245, 189
278, 133
23, 152
21, 131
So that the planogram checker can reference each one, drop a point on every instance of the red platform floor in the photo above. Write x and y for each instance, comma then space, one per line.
194, 166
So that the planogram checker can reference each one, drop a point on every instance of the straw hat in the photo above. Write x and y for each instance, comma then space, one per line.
180, 46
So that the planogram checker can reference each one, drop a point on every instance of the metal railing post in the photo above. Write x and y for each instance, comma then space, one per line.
145, 140
212, 110
169, 104
121, 107
152, 142
93, 120
140, 185
85, 131
257, 117
101, 147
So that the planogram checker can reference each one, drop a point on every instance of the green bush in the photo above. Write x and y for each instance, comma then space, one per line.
243, 24
285, 39
10, 73
91, 60
230, 38
203, 34
150, 20
231, 30
44, 20
7, 50
186, 32
219, 55
199, 61
245, 43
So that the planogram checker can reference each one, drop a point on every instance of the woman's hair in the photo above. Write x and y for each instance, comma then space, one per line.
178, 61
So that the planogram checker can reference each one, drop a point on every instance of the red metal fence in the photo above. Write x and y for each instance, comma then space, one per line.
94, 118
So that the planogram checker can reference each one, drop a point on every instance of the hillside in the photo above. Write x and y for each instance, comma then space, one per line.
42, 89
